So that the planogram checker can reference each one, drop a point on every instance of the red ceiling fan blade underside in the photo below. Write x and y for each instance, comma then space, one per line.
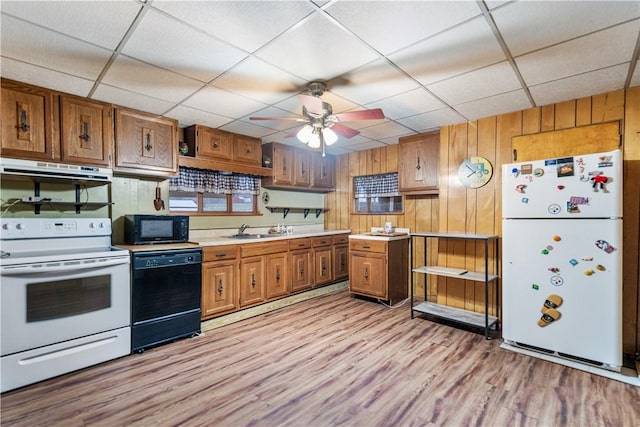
343, 130
295, 119
373, 114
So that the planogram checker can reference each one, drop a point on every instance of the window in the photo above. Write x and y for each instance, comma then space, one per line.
377, 194
206, 192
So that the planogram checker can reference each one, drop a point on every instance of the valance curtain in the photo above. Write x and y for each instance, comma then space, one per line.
382, 185
207, 181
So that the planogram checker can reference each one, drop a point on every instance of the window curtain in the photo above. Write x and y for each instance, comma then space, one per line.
383, 185
208, 181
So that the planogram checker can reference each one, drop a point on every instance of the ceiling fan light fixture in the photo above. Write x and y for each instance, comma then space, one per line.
314, 140
305, 133
330, 136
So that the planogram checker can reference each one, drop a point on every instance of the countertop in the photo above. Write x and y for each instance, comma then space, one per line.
380, 236
221, 240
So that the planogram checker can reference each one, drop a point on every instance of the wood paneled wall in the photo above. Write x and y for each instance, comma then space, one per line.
458, 209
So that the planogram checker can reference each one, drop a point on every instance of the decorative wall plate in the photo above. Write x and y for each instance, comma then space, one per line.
475, 172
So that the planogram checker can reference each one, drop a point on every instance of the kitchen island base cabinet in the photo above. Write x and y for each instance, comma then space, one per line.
379, 269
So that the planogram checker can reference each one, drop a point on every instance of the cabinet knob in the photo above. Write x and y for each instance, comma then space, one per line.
366, 273
418, 165
220, 287
277, 275
253, 280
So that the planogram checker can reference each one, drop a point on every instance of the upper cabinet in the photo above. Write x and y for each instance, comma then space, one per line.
298, 169
145, 144
419, 158
86, 131
247, 150
27, 122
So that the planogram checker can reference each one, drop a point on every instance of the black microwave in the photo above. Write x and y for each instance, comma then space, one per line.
148, 229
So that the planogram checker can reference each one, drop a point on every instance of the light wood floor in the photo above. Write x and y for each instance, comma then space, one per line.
330, 361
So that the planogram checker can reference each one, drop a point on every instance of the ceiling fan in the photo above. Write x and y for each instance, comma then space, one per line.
322, 127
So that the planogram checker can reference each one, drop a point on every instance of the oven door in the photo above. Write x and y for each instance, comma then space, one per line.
48, 303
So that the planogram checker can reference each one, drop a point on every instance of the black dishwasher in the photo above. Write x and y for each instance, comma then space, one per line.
165, 296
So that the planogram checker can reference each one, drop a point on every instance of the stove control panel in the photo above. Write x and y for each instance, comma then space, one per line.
34, 228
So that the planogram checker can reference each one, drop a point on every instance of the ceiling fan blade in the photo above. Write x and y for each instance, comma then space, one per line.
343, 130
295, 119
312, 104
372, 114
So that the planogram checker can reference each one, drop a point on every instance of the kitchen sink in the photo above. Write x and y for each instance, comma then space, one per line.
249, 236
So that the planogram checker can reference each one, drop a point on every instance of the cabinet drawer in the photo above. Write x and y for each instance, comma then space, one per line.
322, 241
299, 244
255, 249
367, 245
219, 253
340, 239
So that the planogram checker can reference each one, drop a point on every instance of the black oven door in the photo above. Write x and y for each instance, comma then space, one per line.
165, 296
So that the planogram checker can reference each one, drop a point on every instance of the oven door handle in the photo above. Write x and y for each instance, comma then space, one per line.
61, 266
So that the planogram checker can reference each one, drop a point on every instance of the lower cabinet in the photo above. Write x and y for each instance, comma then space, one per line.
252, 289
277, 275
219, 280
322, 260
379, 268
263, 272
301, 264
341, 257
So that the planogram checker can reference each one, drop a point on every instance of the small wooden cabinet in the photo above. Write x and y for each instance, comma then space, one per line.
252, 289
247, 150
322, 260
145, 144
213, 144
277, 275
301, 264
219, 280
28, 122
341, 256
86, 131
419, 159
298, 169
379, 268
263, 271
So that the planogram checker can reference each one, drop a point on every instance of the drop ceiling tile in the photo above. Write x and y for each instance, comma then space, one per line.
317, 49
463, 48
392, 25
531, 25
494, 105
221, 102
128, 99
384, 130
274, 124
432, 120
102, 23
598, 50
185, 50
245, 24
408, 104
488, 81
243, 128
39, 76
35, 45
261, 81
581, 85
372, 82
136, 76
189, 116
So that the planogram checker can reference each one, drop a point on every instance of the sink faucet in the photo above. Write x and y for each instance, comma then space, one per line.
242, 228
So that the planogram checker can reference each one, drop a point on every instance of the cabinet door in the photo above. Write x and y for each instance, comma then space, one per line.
251, 281
367, 274
341, 261
277, 275
27, 122
219, 288
324, 171
419, 159
214, 143
323, 273
146, 144
302, 168
282, 164
301, 270
247, 150
86, 131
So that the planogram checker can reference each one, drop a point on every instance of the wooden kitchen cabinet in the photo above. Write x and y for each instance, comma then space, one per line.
252, 289
219, 280
302, 168
298, 169
145, 144
379, 268
86, 131
209, 143
282, 161
247, 150
418, 164
322, 260
301, 264
340, 257
28, 122
277, 275
323, 171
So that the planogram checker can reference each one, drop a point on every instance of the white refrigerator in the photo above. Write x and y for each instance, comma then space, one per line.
562, 257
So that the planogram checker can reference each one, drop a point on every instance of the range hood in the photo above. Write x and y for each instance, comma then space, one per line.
39, 170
